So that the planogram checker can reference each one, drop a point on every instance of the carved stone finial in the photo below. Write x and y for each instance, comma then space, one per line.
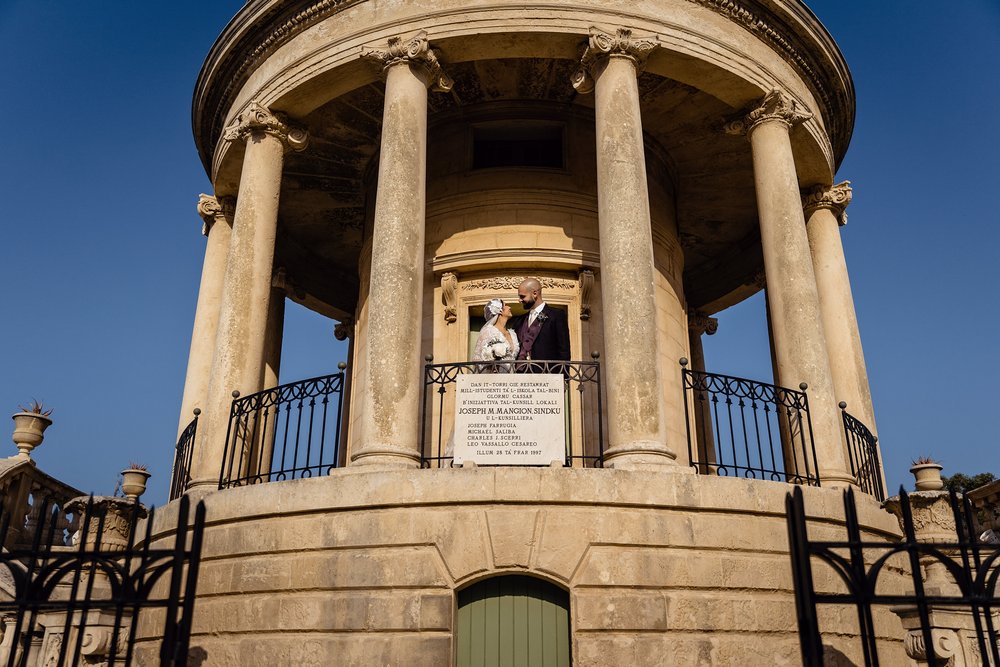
449, 284
586, 278
699, 323
258, 118
344, 329
836, 198
601, 46
416, 52
776, 105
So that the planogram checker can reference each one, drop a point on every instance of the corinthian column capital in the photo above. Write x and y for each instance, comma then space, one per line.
601, 46
212, 209
258, 118
699, 323
776, 106
835, 198
416, 52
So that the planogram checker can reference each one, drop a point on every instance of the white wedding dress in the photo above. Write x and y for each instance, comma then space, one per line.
492, 345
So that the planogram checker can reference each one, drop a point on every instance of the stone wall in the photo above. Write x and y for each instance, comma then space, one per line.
361, 568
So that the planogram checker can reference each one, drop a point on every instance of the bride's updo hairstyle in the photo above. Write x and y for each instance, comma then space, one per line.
492, 309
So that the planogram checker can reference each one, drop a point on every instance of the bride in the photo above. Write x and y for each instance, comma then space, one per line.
496, 342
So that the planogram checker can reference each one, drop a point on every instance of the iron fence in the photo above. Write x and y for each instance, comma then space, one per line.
182, 458
862, 447
582, 377
291, 431
83, 604
745, 428
944, 577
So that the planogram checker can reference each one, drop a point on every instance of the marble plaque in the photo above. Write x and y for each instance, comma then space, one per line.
510, 419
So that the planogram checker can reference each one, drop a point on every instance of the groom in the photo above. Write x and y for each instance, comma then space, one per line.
543, 330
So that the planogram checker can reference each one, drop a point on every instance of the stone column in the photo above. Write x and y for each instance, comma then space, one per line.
824, 209
390, 395
344, 330
636, 404
217, 227
275, 330
700, 324
793, 299
238, 363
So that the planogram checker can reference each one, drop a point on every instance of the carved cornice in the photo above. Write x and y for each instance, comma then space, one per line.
835, 198
513, 282
415, 52
258, 118
699, 323
776, 106
239, 51
601, 46
211, 209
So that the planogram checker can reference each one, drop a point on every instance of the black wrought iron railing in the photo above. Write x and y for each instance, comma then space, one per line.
182, 458
862, 448
582, 378
744, 428
288, 432
84, 604
949, 604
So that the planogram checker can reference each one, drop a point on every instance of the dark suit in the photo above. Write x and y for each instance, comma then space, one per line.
547, 339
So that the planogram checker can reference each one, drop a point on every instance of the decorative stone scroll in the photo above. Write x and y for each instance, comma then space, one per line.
211, 209
513, 282
601, 46
586, 288
258, 118
344, 329
416, 52
699, 323
776, 105
449, 283
836, 198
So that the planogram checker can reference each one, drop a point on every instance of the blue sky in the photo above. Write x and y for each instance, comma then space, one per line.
101, 252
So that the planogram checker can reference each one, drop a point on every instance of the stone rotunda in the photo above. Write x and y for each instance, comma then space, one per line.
393, 166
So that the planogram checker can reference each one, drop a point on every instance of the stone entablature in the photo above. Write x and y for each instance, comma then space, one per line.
261, 28
831, 94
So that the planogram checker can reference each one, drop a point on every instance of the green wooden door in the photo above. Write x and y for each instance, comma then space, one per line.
513, 621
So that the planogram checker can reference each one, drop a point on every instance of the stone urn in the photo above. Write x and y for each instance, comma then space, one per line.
927, 476
120, 516
29, 430
134, 482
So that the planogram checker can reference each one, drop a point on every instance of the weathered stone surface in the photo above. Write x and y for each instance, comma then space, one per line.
689, 569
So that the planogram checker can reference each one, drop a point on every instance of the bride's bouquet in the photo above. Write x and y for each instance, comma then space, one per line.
497, 348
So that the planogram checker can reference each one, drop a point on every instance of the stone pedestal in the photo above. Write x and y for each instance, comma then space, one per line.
636, 404
793, 299
953, 631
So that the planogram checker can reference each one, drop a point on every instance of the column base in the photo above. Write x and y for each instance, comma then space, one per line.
200, 490
837, 480
639, 454
388, 457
